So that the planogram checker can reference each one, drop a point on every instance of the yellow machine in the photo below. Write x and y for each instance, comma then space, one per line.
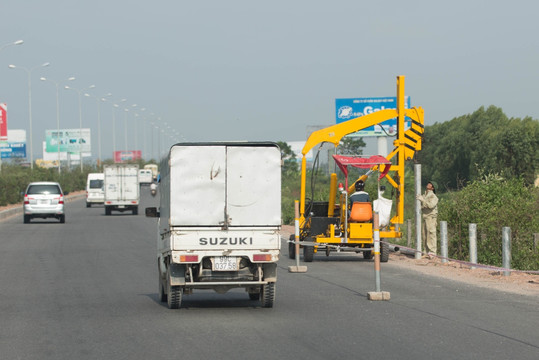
326, 225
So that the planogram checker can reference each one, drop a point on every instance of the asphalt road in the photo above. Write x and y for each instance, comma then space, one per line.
87, 289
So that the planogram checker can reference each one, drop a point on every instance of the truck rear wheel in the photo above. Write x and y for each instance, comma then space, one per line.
174, 294
135, 210
268, 295
107, 210
308, 253
367, 255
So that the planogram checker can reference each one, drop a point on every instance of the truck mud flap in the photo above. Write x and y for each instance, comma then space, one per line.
270, 272
177, 274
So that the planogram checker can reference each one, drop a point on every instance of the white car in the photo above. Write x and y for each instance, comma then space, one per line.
44, 200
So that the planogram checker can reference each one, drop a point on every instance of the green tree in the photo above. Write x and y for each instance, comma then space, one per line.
351, 146
457, 151
288, 157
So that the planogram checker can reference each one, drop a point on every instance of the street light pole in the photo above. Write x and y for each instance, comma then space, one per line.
18, 42
98, 102
80, 121
29, 72
57, 84
135, 115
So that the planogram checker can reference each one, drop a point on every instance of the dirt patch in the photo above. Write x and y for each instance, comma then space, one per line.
517, 283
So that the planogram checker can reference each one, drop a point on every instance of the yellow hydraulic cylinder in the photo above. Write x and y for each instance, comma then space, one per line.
332, 194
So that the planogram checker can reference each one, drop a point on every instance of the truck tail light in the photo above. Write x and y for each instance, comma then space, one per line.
26, 201
133, 202
188, 258
262, 257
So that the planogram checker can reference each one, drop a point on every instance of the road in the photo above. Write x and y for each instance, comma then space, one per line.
87, 289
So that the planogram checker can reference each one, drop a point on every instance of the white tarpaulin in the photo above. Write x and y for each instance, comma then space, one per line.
383, 207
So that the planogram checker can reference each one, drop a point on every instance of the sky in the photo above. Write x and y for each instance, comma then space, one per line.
252, 70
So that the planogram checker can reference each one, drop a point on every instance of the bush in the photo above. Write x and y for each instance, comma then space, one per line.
14, 179
493, 203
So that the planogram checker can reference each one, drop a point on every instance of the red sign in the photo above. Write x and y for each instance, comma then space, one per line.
3, 121
123, 156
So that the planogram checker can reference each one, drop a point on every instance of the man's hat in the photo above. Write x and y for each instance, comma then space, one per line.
434, 184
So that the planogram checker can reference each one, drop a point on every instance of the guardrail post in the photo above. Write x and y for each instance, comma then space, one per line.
443, 240
472, 230
409, 232
506, 250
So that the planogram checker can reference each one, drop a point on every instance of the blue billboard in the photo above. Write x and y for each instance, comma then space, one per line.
11, 150
347, 109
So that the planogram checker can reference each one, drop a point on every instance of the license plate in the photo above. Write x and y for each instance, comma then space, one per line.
121, 206
43, 202
225, 263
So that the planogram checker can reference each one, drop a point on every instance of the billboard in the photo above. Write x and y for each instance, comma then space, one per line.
68, 140
127, 155
3, 122
347, 109
15, 147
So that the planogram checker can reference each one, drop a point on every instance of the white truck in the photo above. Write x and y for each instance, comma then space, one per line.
121, 188
219, 220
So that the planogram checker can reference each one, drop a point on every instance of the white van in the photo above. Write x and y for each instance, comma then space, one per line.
95, 191
145, 176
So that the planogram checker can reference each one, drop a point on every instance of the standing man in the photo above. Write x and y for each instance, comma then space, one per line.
429, 209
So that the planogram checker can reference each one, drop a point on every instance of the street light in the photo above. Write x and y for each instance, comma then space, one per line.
98, 101
80, 118
57, 117
18, 42
29, 72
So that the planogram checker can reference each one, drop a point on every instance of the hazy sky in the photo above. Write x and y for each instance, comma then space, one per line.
261, 70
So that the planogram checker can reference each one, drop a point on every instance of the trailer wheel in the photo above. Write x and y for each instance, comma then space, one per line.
292, 247
308, 253
268, 295
174, 294
384, 251
367, 255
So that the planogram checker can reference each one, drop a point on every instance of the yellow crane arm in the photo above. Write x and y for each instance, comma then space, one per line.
335, 133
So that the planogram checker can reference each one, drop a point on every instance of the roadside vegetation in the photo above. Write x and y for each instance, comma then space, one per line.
14, 179
484, 163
